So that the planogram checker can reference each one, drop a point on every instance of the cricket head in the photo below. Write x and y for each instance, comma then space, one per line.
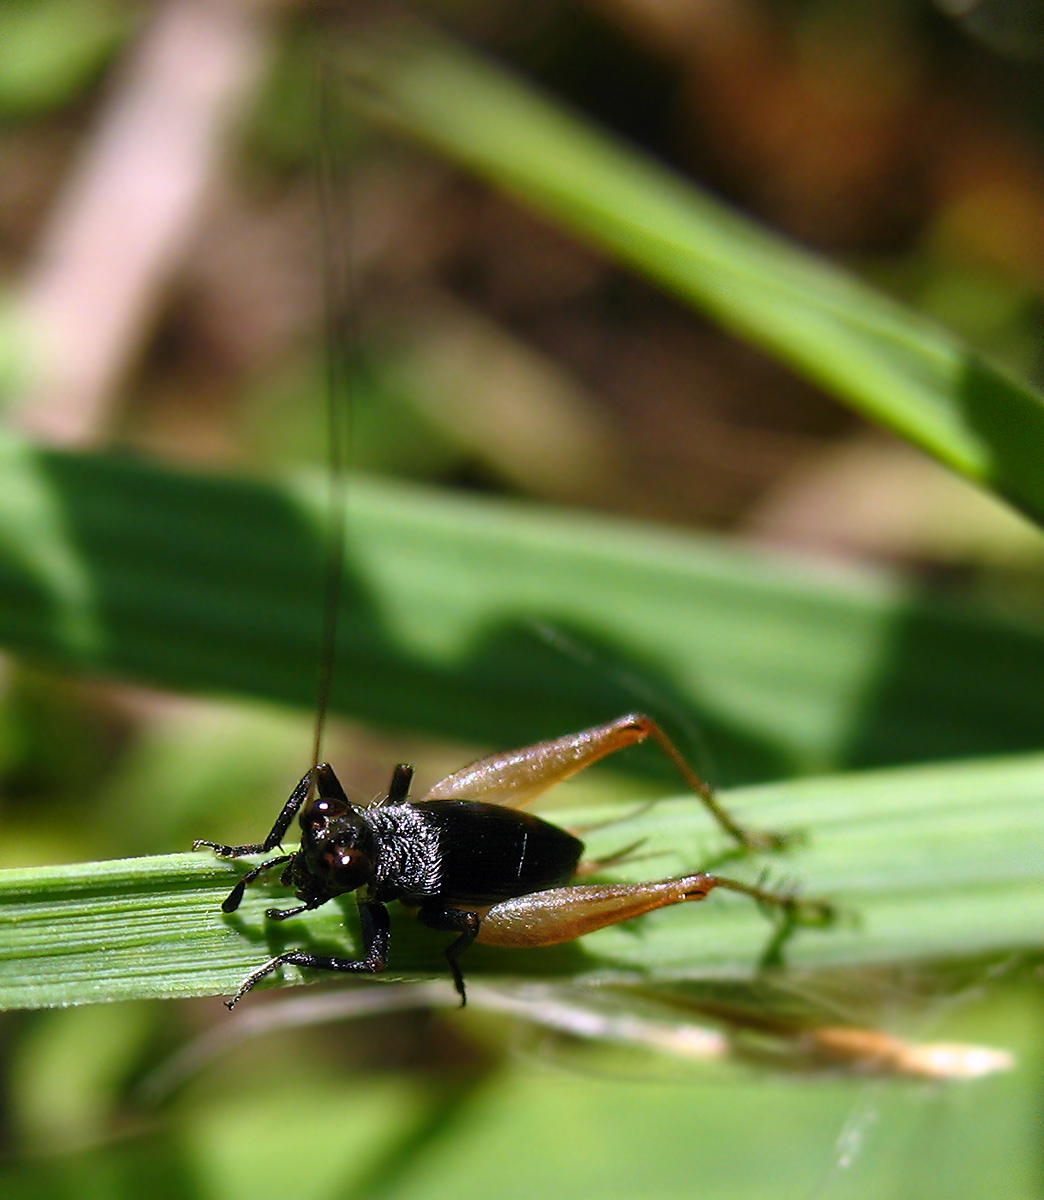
337, 850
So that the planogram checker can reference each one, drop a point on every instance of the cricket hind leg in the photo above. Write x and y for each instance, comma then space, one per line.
645, 727
376, 934
516, 777
564, 914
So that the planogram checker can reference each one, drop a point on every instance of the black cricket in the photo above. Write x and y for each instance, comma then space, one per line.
467, 860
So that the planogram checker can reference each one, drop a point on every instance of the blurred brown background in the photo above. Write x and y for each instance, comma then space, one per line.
158, 219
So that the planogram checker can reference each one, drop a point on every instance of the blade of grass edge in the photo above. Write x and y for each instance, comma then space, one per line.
926, 864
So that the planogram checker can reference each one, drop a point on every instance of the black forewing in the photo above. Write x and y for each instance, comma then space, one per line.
491, 853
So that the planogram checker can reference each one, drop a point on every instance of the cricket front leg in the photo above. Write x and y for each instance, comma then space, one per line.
515, 777
328, 785
563, 914
275, 836
290, 809
376, 933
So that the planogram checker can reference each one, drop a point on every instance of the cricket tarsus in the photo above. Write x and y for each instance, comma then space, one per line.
469, 861
376, 933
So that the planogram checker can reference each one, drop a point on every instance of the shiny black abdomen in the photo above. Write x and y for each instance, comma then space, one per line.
491, 853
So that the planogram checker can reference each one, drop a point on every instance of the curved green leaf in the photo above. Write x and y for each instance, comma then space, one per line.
889, 362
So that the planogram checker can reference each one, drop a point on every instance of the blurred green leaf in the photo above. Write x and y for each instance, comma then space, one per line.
892, 364
51, 49
499, 624
735, 1135
68, 1070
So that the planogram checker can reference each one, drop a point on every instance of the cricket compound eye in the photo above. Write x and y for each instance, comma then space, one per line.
348, 868
319, 812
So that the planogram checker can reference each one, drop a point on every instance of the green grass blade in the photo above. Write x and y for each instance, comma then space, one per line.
499, 624
890, 363
932, 863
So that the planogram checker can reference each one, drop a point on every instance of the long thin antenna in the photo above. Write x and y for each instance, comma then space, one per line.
339, 327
